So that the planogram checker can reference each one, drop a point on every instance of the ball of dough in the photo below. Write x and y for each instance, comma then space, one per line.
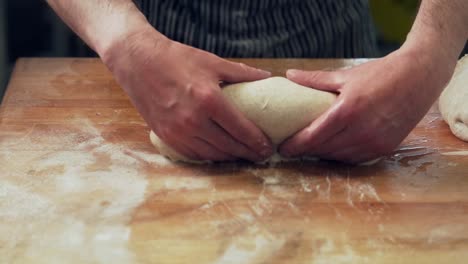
453, 102
278, 106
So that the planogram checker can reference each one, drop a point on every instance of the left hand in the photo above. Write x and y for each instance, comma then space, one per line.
379, 103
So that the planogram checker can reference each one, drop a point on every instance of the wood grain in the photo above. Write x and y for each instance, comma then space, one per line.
80, 182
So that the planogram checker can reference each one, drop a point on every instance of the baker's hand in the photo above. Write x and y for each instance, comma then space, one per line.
379, 103
176, 89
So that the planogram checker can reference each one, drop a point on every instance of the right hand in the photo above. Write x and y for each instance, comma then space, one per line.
176, 89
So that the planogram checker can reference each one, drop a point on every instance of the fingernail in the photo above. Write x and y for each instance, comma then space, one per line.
265, 72
291, 73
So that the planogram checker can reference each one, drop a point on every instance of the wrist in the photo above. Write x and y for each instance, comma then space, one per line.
430, 64
440, 46
440, 29
116, 29
129, 45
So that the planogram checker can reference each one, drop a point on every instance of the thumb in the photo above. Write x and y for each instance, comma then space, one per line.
234, 72
322, 80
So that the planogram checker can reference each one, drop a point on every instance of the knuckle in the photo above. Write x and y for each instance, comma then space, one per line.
206, 97
174, 127
313, 76
244, 68
186, 122
242, 65
164, 133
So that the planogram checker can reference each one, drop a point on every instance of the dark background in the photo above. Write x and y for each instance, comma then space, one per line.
29, 28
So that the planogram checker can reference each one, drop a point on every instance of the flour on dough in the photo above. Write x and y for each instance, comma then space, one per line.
453, 103
278, 106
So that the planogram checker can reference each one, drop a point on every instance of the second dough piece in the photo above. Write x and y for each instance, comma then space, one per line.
453, 102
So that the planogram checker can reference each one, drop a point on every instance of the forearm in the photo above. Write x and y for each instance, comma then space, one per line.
441, 28
101, 23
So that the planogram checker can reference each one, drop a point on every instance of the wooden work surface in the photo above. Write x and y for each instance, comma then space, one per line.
81, 183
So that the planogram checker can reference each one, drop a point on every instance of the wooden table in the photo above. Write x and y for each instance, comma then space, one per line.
80, 182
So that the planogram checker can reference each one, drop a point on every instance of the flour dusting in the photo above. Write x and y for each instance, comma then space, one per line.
63, 204
254, 246
456, 153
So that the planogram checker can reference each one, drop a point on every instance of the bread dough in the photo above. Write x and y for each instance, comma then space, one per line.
278, 106
453, 103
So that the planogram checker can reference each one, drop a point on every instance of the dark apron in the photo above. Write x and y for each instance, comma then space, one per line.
267, 28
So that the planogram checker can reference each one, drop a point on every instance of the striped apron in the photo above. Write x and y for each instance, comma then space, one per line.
267, 28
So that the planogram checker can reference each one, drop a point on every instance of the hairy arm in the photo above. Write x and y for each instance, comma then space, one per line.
440, 28
174, 87
101, 23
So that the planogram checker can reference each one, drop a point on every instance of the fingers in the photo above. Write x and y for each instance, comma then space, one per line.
319, 132
327, 125
234, 72
349, 146
241, 129
196, 148
220, 139
348, 137
322, 80
181, 148
206, 151
208, 142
